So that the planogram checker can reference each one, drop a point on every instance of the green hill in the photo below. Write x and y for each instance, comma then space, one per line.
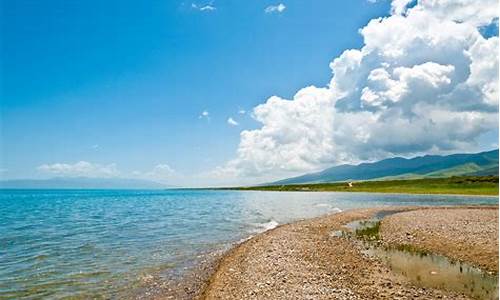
429, 166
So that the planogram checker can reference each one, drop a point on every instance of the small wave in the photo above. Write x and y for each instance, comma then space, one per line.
269, 225
262, 227
329, 206
241, 241
336, 209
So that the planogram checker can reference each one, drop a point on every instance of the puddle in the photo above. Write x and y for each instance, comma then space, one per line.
424, 269
436, 271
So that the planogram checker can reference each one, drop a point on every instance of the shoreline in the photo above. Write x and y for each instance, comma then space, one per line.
357, 192
255, 267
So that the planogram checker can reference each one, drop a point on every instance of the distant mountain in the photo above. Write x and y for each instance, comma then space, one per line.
80, 183
484, 163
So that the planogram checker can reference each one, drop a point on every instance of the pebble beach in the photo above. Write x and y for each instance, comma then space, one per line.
304, 260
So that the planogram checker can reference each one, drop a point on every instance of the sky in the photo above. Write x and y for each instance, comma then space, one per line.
239, 92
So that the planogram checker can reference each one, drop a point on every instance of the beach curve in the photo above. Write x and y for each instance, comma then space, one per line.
302, 260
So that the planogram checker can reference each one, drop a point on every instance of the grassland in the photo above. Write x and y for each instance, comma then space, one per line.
463, 185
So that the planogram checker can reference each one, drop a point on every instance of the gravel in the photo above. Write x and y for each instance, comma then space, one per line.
468, 235
304, 260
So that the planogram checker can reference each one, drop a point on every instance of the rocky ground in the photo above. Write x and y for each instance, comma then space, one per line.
304, 260
468, 235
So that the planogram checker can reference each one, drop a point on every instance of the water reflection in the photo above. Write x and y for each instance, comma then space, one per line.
437, 271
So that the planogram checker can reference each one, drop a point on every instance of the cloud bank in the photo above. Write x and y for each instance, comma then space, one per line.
160, 173
426, 80
81, 168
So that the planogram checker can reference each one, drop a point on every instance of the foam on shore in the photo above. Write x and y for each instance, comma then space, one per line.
265, 226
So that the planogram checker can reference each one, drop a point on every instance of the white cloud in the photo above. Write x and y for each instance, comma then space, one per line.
81, 168
163, 169
204, 115
242, 111
279, 8
205, 8
425, 81
384, 90
399, 6
473, 12
232, 122
160, 173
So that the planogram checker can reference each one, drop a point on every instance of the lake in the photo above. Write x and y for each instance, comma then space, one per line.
100, 243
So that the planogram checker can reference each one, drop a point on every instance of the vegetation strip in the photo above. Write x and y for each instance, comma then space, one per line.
460, 185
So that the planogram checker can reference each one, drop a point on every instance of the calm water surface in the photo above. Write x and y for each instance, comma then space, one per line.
91, 243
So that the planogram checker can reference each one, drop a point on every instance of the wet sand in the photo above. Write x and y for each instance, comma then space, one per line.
304, 260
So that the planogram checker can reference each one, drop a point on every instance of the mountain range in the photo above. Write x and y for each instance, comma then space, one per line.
428, 166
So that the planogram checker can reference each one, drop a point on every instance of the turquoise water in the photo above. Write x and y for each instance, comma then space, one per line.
90, 243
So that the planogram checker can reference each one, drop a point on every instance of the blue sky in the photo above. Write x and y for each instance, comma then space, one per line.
124, 83
133, 77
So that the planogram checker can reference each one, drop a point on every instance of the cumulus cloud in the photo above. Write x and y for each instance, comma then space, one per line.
473, 12
205, 8
425, 81
81, 168
399, 6
232, 122
279, 8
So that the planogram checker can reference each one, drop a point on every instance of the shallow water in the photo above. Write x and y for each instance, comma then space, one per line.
100, 243
427, 269
430, 270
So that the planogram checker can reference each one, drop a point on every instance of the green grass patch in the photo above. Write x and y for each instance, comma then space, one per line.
412, 249
464, 185
369, 231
